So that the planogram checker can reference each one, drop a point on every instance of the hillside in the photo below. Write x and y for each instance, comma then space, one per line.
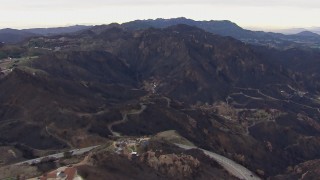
226, 28
56, 30
221, 94
12, 36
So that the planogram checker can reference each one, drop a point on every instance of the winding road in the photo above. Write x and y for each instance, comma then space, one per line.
275, 99
125, 119
232, 167
87, 149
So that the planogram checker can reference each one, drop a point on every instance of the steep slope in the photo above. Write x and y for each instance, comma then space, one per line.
220, 93
227, 28
305, 62
189, 60
157, 160
66, 92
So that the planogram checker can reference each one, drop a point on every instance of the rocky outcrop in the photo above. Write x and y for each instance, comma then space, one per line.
172, 164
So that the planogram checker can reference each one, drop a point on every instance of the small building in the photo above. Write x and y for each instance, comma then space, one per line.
65, 173
134, 153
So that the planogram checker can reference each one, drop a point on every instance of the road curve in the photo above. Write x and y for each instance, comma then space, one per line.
232, 167
125, 119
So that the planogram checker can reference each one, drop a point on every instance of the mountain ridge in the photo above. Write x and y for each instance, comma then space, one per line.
223, 27
248, 103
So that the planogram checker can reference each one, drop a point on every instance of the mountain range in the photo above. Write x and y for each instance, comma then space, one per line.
15, 36
256, 105
298, 30
223, 28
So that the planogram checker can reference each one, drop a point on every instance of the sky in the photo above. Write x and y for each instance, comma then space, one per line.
254, 14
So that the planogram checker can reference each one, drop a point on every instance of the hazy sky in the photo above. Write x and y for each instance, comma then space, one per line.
266, 14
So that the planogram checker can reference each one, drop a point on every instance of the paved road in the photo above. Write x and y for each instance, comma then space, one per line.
232, 167
125, 119
276, 99
58, 155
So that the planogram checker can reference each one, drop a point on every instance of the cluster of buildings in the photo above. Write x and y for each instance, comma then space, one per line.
129, 147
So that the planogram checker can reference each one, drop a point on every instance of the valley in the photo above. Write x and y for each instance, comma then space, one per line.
90, 90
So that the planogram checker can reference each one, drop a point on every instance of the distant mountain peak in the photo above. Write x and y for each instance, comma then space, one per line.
308, 33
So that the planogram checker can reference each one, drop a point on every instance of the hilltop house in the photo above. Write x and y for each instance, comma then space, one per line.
64, 173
